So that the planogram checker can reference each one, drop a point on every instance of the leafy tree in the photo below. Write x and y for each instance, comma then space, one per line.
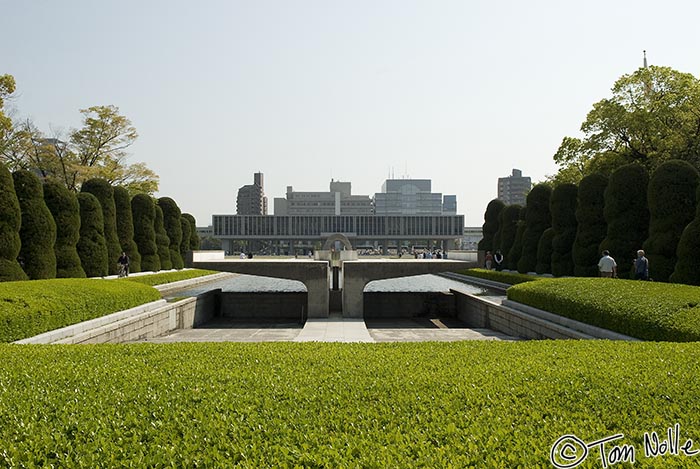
544, 252
210, 243
7, 87
64, 207
591, 228
672, 202
38, 229
144, 214
186, 234
563, 209
194, 237
104, 192
162, 240
687, 268
171, 222
508, 221
92, 247
651, 117
537, 220
490, 226
10, 222
626, 215
516, 250
125, 228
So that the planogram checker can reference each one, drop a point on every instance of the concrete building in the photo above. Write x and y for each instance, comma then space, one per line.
337, 201
470, 239
513, 189
251, 198
412, 197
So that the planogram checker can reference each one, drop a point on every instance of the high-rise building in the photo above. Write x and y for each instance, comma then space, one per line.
337, 201
412, 197
513, 189
251, 198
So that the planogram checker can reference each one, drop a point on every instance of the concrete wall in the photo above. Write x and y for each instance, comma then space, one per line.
470, 256
408, 304
288, 306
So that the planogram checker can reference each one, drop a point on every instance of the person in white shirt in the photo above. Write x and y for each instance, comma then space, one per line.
607, 265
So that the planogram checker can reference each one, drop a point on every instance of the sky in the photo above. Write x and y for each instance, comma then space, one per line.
459, 92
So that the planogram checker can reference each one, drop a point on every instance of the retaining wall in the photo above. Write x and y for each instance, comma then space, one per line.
386, 305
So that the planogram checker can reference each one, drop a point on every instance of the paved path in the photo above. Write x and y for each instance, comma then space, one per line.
334, 330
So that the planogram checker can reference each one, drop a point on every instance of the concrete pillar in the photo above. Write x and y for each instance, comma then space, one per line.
353, 297
318, 296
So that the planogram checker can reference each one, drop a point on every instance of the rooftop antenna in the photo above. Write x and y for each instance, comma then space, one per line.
645, 59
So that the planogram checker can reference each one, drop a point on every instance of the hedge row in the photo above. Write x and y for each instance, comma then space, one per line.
170, 277
510, 278
33, 307
645, 310
485, 404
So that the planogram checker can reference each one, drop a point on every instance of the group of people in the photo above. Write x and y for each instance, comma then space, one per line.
608, 267
494, 261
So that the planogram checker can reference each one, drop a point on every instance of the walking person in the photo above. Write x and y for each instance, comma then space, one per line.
641, 266
498, 260
607, 265
123, 264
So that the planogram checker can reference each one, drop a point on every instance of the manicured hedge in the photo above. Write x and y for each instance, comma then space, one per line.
591, 225
490, 226
125, 228
104, 192
468, 404
10, 222
169, 277
38, 230
162, 240
645, 310
544, 252
513, 256
563, 209
511, 278
173, 227
537, 219
508, 222
687, 269
92, 247
186, 234
64, 207
194, 237
29, 308
144, 213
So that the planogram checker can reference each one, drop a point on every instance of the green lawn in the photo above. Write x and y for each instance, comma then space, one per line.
465, 404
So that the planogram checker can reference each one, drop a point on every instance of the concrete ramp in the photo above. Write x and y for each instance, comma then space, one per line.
334, 329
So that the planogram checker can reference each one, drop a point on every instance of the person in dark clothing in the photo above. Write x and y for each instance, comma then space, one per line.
498, 260
123, 263
641, 266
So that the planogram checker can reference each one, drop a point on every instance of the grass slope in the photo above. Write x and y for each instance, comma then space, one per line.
170, 277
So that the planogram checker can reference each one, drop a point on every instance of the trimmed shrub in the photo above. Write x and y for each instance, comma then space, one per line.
194, 237
186, 234
544, 252
626, 215
92, 247
170, 277
144, 213
672, 202
537, 220
10, 222
125, 228
645, 310
687, 269
516, 250
64, 207
38, 230
508, 221
104, 192
490, 226
173, 227
510, 278
162, 240
31, 308
563, 209
592, 227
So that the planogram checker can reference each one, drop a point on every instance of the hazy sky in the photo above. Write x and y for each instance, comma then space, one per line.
459, 92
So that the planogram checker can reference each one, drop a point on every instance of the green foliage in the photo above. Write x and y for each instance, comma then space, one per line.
186, 235
7, 87
513, 256
194, 237
38, 230
490, 227
92, 247
508, 222
645, 310
544, 252
144, 214
63, 205
34, 307
173, 228
672, 202
363, 406
626, 215
537, 219
563, 209
510, 278
104, 192
591, 225
10, 222
170, 277
162, 240
125, 228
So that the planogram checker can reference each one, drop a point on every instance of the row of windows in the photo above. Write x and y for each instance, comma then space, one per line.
360, 225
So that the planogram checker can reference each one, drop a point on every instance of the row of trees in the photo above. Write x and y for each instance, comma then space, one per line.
562, 231
48, 231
